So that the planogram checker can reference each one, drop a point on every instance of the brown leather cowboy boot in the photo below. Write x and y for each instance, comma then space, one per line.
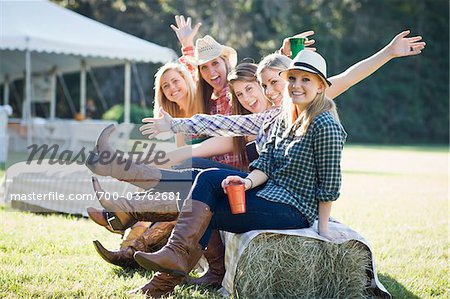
106, 162
215, 255
100, 217
141, 207
133, 233
183, 243
153, 239
162, 283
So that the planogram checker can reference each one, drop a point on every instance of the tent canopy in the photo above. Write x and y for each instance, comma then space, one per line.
59, 38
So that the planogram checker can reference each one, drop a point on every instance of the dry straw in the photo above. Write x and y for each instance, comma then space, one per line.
281, 266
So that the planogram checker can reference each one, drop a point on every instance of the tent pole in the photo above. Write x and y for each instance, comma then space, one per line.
53, 94
127, 96
27, 107
83, 89
6, 91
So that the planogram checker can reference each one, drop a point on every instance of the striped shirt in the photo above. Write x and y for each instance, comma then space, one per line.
303, 170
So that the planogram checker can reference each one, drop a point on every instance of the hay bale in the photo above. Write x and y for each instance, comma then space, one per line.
282, 266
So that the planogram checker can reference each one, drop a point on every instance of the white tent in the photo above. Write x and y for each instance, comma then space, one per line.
40, 37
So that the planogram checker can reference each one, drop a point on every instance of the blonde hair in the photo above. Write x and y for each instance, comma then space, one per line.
273, 61
204, 90
170, 107
319, 104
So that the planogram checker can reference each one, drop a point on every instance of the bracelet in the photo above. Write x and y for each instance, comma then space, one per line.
251, 182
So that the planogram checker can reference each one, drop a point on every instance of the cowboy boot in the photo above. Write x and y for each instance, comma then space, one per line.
106, 162
215, 255
100, 217
162, 283
141, 207
183, 243
133, 233
153, 239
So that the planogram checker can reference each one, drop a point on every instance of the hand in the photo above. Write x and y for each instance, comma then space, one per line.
405, 46
333, 236
155, 126
286, 47
184, 31
235, 179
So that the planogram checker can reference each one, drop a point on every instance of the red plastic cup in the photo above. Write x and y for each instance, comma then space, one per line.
236, 197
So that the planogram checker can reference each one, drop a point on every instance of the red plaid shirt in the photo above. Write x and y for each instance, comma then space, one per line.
218, 105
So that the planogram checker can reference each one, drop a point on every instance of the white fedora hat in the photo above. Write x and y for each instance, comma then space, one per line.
308, 61
207, 48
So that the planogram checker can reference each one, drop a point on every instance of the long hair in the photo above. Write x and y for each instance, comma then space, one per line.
172, 108
319, 104
243, 72
204, 90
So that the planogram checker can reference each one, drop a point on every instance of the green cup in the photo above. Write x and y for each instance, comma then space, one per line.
297, 44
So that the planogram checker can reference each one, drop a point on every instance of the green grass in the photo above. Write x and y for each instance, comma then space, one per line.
396, 197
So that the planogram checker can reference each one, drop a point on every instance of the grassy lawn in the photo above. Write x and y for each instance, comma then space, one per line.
397, 197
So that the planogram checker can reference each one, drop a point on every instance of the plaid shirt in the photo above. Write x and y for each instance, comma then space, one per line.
221, 105
260, 124
303, 170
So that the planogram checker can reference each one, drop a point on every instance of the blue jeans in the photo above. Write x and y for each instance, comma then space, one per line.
260, 214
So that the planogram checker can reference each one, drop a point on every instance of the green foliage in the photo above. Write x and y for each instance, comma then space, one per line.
137, 113
404, 102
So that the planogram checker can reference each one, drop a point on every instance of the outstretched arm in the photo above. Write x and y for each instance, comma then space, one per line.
208, 148
210, 125
400, 46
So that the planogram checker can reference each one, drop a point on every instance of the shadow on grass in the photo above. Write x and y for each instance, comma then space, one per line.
396, 289
130, 272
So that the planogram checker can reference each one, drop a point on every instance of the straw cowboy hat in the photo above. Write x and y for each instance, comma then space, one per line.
207, 48
308, 61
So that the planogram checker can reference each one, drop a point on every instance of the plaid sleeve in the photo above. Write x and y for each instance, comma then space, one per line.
188, 51
219, 125
328, 144
264, 161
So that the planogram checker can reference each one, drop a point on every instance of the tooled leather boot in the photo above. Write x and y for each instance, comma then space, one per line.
183, 243
133, 233
106, 162
215, 255
153, 239
141, 207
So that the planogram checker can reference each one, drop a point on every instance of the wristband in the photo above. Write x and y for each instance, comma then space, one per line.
251, 182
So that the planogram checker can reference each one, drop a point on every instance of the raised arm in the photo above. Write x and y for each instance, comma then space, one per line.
185, 33
400, 46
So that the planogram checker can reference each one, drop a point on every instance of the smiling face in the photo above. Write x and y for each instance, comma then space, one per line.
273, 85
214, 72
250, 95
174, 86
303, 87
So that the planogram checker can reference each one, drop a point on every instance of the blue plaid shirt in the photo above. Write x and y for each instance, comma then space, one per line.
303, 170
260, 124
